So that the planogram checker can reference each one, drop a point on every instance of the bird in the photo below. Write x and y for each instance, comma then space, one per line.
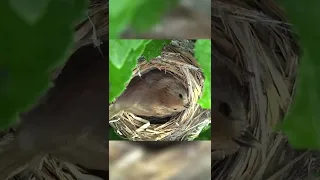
229, 130
70, 121
154, 94
228, 135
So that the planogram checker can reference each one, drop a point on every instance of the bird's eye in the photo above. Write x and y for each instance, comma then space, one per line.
225, 109
175, 109
180, 96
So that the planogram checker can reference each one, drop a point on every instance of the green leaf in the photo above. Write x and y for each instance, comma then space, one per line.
30, 10
120, 14
118, 77
205, 134
303, 120
205, 101
203, 55
150, 13
154, 48
28, 53
113, 135
141, 14
120, 49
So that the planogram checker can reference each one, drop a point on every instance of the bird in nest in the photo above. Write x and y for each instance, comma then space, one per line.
155, 94
228, 135
229, 130
68, 123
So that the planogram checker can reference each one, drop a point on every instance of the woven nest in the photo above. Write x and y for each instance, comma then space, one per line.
182, 126
98, 13
255, 42
51, 167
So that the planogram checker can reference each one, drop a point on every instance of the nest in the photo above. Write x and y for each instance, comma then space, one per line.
254, 40
183, 126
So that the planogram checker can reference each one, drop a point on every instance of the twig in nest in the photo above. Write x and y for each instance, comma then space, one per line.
95, 40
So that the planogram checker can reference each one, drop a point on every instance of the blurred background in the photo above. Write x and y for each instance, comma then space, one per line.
160, 160
165, 19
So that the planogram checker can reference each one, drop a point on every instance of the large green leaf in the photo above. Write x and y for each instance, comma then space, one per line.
154, 48
140, 14
120, 15
302, 123
128, 55
150, 13
30, 10
203, 55
205, 134
120, 49
31, 47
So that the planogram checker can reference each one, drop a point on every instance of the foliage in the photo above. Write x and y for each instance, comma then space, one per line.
141, 14
205, 134
35, 37
125, 53
302, 123
113, 135
154, 48
123, 59
203, 55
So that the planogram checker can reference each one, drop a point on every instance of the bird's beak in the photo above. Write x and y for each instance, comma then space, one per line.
248, 140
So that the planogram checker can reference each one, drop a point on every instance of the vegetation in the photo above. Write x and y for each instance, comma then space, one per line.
37, 36
124, 55
141, 14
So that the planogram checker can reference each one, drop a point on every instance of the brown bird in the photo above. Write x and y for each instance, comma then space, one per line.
229, 131
155, 94
228, 135
71, 121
